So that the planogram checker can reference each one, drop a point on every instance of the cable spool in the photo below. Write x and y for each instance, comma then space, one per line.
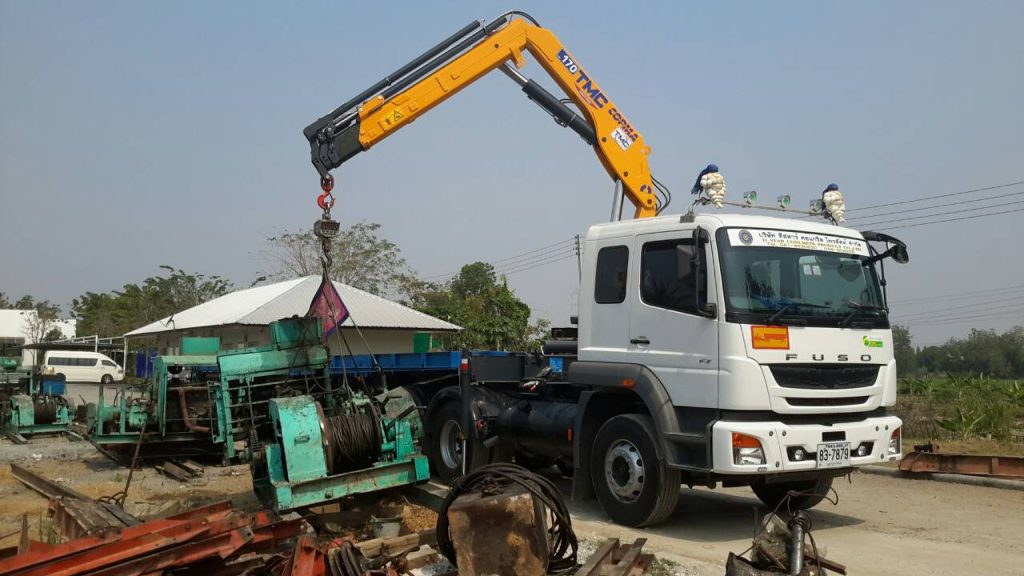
45, 412
352, 441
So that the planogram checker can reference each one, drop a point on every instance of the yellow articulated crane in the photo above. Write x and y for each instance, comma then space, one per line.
461, 59
709, 349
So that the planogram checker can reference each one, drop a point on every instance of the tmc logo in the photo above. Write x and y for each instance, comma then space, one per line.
587, 89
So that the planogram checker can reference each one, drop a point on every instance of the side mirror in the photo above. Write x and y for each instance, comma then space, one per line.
899, 254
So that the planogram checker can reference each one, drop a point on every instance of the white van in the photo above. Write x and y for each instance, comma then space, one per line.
78, 366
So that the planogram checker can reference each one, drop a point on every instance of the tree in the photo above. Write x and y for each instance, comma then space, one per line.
361, 258
903, 349
135, 305
491, 315
40, 322
981, 352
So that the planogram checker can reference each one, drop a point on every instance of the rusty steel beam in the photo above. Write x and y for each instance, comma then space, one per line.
208, 537
43, 486
938, 462
85, 554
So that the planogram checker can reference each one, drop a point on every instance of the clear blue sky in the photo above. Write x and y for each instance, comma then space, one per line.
134, 134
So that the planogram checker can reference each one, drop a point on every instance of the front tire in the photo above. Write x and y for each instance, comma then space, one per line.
106, 379
813, 492
633, 485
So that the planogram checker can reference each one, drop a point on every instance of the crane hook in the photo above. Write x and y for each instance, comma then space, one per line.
326, 200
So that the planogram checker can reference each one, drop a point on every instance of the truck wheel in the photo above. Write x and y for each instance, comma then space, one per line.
634, 487
814, 491
446, 444
107, 379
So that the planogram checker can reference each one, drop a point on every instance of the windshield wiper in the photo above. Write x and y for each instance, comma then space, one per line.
778, 313
857, 307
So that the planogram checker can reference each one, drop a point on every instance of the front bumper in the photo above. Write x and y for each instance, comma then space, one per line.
777, 440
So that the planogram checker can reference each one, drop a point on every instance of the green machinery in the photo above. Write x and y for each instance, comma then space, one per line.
36, 414
316, 457
310, 441
172, 408
31, 403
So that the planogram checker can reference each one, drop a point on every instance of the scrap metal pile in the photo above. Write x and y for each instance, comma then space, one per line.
501, 519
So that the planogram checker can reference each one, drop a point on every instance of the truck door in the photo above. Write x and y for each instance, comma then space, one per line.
604, 302
666, 332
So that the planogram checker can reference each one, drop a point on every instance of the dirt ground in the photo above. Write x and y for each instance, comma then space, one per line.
881, 525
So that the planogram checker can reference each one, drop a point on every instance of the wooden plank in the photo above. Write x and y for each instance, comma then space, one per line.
191, 466
600, 556
388, 546
174, 471
611, 559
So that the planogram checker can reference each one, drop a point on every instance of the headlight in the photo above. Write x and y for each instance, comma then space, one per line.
746, 450
894, 443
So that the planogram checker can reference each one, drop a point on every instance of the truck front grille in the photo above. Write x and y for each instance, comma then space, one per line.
825, 377
848, 401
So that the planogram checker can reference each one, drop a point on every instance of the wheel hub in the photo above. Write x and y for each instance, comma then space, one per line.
451, 444
624, 471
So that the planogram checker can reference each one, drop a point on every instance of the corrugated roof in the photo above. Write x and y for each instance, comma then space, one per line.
264, 304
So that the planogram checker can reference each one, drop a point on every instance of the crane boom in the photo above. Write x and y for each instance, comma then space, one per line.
463, 58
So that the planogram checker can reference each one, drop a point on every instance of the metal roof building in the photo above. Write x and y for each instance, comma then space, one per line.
240, 318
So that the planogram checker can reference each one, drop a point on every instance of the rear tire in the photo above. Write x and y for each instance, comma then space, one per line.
773, 494
633, 485
445, 453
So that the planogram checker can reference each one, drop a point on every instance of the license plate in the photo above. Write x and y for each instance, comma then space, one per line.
833, 454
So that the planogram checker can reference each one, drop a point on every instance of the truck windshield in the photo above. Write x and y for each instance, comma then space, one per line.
790, 277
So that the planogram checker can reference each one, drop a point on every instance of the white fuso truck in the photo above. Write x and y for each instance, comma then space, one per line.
713, 349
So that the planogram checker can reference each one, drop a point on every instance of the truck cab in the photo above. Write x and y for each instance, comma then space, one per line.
759, 347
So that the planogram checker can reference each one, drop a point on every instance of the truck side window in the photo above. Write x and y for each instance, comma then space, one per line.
610, 280
666, 275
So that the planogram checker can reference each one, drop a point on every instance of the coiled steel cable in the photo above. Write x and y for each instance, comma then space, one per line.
562, 559
355, 440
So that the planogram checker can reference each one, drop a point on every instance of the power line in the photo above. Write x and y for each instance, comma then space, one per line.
559, 243
939, 214
975, 306
959, 294
993, 316
540, 265
536, 263
951, 220
944, 315
922, 199
958, 203
537, 252
925, 199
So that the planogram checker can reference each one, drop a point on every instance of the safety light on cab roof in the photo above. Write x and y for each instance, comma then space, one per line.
710, 189
746, 450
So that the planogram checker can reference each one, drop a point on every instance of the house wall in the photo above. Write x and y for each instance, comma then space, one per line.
14, 331
236, 337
